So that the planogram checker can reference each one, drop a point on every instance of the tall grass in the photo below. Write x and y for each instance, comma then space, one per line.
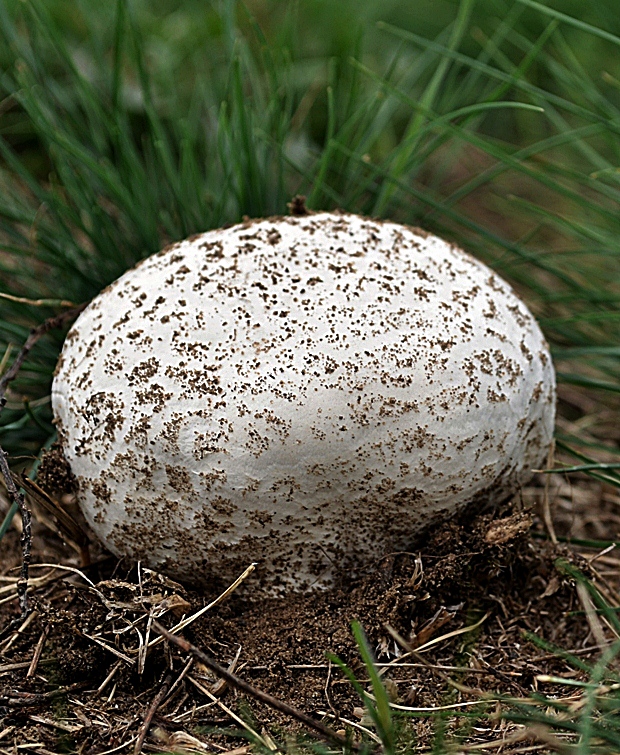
496, 134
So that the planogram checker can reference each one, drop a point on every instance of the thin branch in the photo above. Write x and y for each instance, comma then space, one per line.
32, 669
38, 302
258, 694
58, 321
26, 539
157, 701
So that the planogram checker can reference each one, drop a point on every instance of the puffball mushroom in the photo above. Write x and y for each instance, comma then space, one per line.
307, 393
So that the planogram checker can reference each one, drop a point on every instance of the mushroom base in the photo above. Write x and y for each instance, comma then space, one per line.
353, 545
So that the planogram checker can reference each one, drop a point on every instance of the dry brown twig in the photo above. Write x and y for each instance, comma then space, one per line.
38, 302
52, 323
190, 619
264, 740
258, 694
69, 529
157, 701
32, 669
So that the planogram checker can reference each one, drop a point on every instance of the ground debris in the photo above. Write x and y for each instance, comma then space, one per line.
463, 599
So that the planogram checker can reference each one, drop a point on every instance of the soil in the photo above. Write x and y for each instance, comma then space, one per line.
75, 677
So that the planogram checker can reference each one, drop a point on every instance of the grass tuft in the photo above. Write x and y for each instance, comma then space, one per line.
499, 132
455, 135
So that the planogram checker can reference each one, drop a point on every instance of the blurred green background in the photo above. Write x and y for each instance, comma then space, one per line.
126, 125
189, 41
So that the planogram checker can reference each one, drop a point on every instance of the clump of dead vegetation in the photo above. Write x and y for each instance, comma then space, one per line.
463, 630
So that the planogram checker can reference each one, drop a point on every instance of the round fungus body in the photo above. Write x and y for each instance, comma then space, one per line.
307, 393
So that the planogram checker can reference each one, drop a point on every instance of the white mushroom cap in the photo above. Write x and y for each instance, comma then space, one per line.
303, 392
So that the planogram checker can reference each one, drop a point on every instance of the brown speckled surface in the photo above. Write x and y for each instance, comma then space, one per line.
303, 392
